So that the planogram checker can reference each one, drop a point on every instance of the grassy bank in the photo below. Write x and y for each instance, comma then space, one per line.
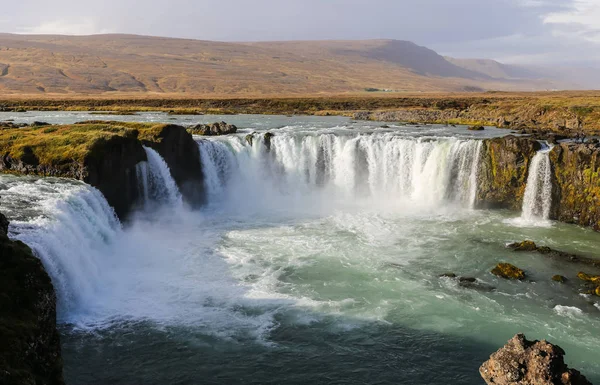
60, 145
556, 111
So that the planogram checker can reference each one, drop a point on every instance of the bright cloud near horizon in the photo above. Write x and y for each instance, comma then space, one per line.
525, 31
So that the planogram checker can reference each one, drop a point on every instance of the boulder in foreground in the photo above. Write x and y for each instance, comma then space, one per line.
523, 362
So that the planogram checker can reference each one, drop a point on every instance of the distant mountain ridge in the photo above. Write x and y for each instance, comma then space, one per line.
143, 65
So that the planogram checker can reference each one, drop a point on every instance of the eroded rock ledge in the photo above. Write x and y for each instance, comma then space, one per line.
575, 178
104, 155
30, 344
523, 362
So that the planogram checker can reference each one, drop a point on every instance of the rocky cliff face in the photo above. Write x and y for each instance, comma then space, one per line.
30, 345
105, 155
110, 166
576, 170
504, 170
182, 155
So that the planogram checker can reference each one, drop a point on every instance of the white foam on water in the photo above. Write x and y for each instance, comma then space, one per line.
568, 311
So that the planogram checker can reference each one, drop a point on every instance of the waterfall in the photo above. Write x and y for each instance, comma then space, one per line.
156, 184
425, 171
70, 227
537, 201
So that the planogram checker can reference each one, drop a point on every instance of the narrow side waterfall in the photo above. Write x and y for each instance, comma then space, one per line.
155, 181
424, 171
537, 201
69, 226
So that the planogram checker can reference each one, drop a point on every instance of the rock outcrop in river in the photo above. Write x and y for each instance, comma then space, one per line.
29, 341
523, 362
215, 129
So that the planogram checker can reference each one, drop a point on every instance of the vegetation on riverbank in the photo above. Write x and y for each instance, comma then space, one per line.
61, 145
554, 111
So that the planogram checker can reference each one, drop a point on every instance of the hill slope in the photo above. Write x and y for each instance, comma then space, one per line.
129, 64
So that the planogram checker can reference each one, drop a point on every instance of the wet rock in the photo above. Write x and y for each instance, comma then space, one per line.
468, 282
523, 246
39, 124
556, 254
508, 271
3, 225
215, 129
504, 170
595, 279
523, 362
267, 137
559, 279
476, 128
447, 275
250, 139
30, 344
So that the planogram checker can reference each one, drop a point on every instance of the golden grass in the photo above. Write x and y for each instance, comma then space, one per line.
63, 144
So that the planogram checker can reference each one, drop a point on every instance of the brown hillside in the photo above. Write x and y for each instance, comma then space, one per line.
128, 64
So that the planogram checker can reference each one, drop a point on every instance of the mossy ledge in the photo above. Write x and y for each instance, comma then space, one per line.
503, 171
30, 350
104, 154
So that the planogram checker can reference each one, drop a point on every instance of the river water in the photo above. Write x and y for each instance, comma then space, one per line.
316, 260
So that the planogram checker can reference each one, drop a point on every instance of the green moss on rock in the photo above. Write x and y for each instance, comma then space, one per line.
559, 279
504, 170
508, 271
595, 279
523, 246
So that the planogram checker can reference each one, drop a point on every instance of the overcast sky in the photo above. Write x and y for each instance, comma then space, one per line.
524, 31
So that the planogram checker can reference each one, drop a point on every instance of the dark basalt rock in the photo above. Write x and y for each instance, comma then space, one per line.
250, 139
557, 254
110, 166
29, 341
180, 151
523, 362
476, 128
559, 279
267, 138
220, 128
468, 282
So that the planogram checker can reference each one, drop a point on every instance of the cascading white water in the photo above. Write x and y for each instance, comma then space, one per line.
72, 228
537, 201
380, 166
156, 184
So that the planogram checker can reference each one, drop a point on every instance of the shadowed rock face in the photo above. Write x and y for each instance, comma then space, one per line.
523, 362
29, 342
182, 155
111, 167
503, 172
